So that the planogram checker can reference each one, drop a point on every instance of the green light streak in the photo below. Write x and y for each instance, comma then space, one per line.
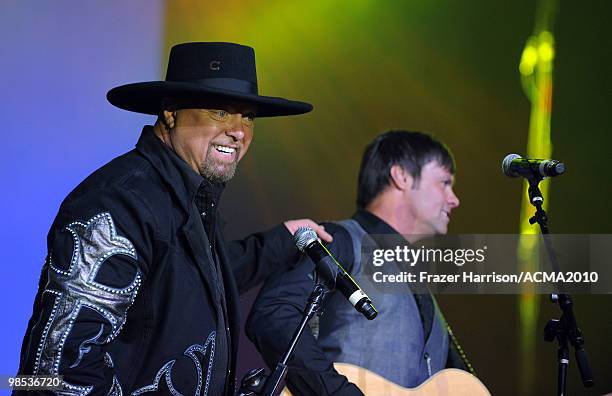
536, 66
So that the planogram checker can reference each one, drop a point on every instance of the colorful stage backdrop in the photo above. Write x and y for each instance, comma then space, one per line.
447, 67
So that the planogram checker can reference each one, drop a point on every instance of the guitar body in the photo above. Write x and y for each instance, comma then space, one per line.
448, 382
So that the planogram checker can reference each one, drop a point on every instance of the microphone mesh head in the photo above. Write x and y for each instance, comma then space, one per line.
303, 237
559, 168
506, 164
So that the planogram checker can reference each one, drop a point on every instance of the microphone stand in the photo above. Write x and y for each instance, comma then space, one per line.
254, 382
271, 387
565, 329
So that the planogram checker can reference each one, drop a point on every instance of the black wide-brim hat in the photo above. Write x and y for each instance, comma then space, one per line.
205, 71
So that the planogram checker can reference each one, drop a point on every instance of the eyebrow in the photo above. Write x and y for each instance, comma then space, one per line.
450, 177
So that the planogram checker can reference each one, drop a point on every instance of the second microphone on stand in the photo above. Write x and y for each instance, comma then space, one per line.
514, 166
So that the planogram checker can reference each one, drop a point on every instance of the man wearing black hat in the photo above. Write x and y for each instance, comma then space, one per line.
139, 290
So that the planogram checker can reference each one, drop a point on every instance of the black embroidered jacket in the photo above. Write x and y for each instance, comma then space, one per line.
128, 299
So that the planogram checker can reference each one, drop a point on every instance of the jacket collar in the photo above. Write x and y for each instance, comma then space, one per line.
183, 181
373, 224
385, 236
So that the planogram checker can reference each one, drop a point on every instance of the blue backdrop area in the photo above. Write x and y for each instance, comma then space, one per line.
57, 61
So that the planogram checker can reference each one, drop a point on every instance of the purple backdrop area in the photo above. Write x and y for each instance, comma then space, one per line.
57, 60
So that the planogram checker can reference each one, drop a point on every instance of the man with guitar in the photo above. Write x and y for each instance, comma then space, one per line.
405, 188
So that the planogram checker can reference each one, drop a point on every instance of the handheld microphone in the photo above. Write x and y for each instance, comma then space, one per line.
514, 166
326, 265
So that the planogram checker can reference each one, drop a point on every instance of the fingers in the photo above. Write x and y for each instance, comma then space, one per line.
293, 225
320, 230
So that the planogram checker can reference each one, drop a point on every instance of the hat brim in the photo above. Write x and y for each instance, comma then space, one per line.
147, 97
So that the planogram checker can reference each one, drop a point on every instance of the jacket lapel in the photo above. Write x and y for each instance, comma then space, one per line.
182, 183
193, 231
229, 283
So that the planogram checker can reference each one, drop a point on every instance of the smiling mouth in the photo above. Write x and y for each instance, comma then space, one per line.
446, 213
225, 149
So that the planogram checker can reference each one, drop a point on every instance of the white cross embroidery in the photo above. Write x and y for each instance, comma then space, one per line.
94, 242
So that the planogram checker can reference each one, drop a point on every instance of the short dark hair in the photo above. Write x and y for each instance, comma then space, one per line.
411, 150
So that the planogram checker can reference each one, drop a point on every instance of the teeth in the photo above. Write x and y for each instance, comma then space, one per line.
225, 149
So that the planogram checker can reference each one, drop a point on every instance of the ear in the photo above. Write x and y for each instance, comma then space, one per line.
400, 178
168, 118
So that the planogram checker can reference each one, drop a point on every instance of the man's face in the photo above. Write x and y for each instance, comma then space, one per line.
431, 200
213, 139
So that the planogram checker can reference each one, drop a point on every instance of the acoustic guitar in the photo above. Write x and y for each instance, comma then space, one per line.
447, 382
